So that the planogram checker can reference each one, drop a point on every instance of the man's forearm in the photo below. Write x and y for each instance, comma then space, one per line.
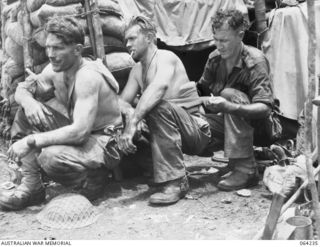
149, 99
23, 96
68, 135
250, 111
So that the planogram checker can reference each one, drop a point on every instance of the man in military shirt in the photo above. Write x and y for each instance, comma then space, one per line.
237, 78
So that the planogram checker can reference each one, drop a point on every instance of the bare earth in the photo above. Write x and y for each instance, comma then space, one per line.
206, 213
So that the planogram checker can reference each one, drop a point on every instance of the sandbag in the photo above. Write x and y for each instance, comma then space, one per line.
10, 7
111, 26
14, 50
62, 2
39, 36
120, 65
40, 16
111, 44
14, 31
33, 5
107, 6
13, 69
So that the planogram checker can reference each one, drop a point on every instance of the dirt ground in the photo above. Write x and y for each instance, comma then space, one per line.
206, 213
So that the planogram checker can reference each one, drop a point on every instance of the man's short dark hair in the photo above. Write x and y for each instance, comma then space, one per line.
67, 29
235, 18
145, 24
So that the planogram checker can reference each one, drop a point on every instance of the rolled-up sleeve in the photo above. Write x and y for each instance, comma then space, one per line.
261, 86
206, 79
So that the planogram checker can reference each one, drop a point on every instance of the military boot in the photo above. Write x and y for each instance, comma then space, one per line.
21, 197
172, 192
244, 175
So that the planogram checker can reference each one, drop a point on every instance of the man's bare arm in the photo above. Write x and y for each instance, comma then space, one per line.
87, 93
156, 89
251, 111
35, 84
132, 87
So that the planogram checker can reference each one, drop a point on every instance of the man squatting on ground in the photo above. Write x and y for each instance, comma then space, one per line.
170, 106
74, 150
238, 78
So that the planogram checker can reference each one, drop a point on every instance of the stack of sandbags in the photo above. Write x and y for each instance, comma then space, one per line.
112, 23
118, 60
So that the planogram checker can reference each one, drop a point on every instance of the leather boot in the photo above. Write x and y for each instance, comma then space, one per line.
172, 192
238, 180
244, 175
21, 197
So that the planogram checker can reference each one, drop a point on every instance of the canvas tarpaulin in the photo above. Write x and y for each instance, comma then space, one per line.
286, 47
181, 23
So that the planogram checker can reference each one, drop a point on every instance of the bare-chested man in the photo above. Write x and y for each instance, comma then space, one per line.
74, 149
170, 105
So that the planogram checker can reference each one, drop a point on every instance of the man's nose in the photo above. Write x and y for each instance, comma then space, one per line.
50, 52
128, 45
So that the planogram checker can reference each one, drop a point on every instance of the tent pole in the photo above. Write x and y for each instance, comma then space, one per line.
90, 27
98, 32
261, 20
308, 112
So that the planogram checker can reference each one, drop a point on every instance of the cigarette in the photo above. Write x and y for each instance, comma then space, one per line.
131, 53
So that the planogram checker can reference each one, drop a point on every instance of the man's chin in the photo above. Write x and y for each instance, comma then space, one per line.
56, 68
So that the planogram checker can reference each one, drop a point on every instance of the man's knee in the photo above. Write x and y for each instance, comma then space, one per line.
235, 96
53, 163
51, 160
161, 109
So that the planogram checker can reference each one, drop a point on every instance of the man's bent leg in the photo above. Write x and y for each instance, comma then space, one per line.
21, 126
80, 167
30, 191
174, 131
238, 146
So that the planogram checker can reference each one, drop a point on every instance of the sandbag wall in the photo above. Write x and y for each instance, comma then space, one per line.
112, 23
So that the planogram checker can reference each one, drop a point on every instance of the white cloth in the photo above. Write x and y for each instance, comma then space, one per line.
286, 47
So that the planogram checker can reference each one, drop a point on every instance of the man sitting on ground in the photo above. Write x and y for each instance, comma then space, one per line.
237, 77
166, 103
75, 150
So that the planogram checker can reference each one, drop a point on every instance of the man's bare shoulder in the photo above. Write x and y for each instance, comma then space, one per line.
167, 55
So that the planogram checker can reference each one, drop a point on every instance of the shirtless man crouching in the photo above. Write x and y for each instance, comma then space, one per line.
75, 148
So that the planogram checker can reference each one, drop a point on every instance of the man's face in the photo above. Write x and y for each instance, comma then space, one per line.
227, 40
136, 42
61, 56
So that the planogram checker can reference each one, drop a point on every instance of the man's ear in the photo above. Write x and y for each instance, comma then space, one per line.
78, 49
149, 37
241, 34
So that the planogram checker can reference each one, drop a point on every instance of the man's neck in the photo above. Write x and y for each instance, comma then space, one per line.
146, 59
69, 73
232, 61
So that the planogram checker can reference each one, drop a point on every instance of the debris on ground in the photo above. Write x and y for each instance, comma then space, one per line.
244, 193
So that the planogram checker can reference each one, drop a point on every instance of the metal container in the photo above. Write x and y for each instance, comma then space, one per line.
303, 230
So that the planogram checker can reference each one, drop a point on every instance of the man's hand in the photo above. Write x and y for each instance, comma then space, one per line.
35, 113
19, 149
215, 104
125, 141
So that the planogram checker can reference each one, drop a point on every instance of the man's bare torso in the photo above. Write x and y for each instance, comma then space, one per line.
108, 112
178, 79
